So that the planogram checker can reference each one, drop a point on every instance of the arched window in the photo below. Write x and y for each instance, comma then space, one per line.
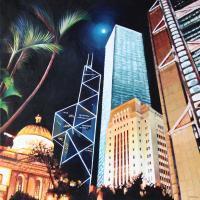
19, 186
38, 189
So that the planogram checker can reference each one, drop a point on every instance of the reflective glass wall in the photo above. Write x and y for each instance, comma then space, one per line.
125, 78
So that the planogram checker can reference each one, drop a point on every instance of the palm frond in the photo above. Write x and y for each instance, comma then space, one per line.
36, 39
32, 35
45, 17
70, 19
16, 40
51, 47
4, 105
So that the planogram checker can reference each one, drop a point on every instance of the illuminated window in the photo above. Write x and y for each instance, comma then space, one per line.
19, 186
38, 189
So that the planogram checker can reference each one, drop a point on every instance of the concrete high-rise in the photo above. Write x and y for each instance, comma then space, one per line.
125, 77
135, 143
176, 48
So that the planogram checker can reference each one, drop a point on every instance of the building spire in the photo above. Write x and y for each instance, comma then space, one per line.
38, 119
89, 62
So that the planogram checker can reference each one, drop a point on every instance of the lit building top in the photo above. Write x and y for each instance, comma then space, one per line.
31, 136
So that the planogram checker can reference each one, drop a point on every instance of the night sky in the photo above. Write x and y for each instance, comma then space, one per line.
62, 85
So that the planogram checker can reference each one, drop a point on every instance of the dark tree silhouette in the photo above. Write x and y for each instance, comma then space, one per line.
62, 184
131, 191
21, 196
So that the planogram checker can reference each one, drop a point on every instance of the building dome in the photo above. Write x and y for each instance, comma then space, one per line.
31, 136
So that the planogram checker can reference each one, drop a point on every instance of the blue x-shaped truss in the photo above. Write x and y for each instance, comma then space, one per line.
75, 126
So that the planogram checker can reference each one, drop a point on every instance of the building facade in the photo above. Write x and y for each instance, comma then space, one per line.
188, 18
175, 42
16, 171
74, 128
135, 143
125, 77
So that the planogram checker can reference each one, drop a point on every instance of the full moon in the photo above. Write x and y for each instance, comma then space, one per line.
103, 30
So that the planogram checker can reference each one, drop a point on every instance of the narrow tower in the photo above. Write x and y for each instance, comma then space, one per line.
74, 127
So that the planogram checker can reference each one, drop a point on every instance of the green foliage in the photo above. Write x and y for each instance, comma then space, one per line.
31, 37
27, 36
16, 41
10, 91
45, 17
3, 105
70, 19
10, 88
21, 196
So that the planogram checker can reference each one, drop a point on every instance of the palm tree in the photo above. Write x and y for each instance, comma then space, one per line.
65, 23
25, 37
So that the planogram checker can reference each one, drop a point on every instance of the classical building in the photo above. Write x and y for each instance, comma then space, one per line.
175, 38
135, 143
16, 171
125, 77
74, 127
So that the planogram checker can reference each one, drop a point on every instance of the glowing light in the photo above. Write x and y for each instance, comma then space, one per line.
5, 175
103, 30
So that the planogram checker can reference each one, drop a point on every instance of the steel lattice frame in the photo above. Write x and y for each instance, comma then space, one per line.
188, 70
75, 126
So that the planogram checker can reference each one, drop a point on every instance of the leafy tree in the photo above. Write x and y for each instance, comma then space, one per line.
21, 196
133, 191
62, 184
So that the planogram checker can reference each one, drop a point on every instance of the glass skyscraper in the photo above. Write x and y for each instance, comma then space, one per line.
125, 77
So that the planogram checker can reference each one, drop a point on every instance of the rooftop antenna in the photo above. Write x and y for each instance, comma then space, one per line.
88, 59
91, 61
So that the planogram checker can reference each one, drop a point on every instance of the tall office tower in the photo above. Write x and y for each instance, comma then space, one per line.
135, 143
125, 77
175, 44
75, 127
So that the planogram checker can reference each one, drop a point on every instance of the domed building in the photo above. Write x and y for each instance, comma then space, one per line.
16, 171
31, 136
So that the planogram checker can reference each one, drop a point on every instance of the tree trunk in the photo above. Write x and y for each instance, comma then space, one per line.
22, 107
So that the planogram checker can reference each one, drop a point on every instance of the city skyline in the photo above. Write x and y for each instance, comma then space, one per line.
140, 123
